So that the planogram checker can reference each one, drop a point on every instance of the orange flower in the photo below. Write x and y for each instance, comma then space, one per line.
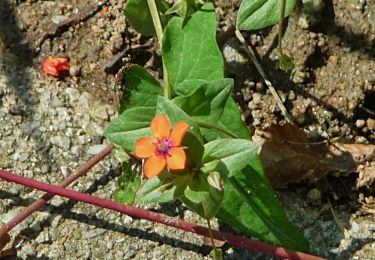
163, 149
53, 66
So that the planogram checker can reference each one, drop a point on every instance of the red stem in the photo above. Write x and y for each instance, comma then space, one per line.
43, 200
156, 217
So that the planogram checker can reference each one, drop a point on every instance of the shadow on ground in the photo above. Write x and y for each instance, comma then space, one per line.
65, 210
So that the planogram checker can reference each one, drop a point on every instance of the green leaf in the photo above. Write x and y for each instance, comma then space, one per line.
257, 14
216, 254
228, 156
231, 121
190, 50
176, 114
201, 197
128, 185
164, 187
183, 8
139, 16
251, 206
285, 63
206, 102
141, 89
188, 86
194, 150
129, 126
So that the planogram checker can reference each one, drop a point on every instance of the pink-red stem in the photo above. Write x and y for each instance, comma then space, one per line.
43, 200
156, 217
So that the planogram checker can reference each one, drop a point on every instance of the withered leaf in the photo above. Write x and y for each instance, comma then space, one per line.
289, 156
4, 240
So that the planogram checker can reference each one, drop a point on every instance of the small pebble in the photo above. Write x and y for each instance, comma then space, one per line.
74, 70
360, 123
95, 149
257, 98
370, 124
93, 233
361, 140
58, 18
314, 194
29, 250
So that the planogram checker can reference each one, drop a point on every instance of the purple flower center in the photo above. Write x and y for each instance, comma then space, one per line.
163, 146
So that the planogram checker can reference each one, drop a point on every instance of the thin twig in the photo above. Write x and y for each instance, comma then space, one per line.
83, 14
157, 217
108, 64
281, 22
43, 200
250, 52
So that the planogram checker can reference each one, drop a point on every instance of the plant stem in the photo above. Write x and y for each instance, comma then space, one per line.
282, 14
157, 217
250, 52
214, 249
211, 235
43, 200
219, 129
159, 34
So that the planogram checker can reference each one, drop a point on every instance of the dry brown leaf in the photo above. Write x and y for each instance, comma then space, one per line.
9, 252
289, 156
4, 240
218, 243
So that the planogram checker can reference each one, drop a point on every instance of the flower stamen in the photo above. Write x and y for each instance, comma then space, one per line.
164, 146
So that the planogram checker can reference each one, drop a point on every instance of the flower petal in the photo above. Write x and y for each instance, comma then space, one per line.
177, 159
154, 166
62, 61
61, 67
160, 126
62, 64
49, 70
178, 132
144, 147
52, 66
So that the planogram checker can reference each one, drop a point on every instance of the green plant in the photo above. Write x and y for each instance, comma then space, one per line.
222, 176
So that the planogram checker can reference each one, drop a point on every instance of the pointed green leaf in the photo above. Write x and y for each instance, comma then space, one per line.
164, 187
248, 209
128, 185
190, 50
201, 197
257, 14
251, 206
141, 89
187, 87
129, 126
139, 16
228, 156
183, 8
194, 150
206, 102
176, 114
231, 121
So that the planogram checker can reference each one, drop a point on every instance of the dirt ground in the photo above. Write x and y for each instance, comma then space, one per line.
330, 93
